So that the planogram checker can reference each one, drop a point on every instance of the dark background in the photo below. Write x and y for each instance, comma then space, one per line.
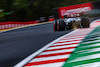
29, 10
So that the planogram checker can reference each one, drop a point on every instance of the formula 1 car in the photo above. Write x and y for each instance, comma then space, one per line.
69, 23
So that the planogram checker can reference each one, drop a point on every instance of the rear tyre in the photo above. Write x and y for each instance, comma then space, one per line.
61, 26
85, 22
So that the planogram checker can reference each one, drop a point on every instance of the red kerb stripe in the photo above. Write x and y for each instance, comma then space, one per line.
46, 62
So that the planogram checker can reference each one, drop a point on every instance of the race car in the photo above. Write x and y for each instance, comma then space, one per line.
69, 23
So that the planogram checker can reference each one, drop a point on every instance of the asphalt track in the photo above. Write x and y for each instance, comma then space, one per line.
18, 44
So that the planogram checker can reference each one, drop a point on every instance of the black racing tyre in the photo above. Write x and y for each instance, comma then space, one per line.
55, 25
61, 26
85, 22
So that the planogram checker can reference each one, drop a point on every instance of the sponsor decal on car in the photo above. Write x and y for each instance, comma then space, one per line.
74, 9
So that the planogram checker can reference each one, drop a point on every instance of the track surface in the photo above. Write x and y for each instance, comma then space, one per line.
18, 44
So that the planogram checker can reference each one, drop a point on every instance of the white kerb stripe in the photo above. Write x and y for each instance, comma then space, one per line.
50, 58
74, 37
66, 46
58, 51
67, 42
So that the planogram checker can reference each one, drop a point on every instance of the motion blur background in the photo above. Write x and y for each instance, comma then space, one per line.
30, 10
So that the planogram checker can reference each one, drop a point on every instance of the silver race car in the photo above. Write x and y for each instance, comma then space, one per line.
69, 23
